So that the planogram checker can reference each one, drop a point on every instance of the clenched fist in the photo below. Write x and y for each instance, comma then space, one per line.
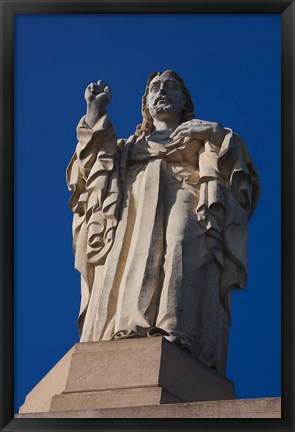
97, 96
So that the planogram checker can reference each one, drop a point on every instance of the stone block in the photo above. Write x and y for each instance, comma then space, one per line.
126, 373
240, 408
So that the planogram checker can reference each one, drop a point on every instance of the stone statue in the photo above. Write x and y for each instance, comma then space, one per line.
160, 221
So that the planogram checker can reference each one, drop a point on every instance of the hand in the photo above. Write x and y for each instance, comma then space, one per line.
97, 96
201, 130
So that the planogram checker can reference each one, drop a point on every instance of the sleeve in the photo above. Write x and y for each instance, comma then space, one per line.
93, 178
229, 191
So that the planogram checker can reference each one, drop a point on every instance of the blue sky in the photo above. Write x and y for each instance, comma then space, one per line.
231, 65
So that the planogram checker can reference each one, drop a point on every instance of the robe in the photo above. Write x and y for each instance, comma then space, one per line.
160, 236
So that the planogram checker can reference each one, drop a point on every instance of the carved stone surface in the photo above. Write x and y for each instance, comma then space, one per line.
160, 222
125, 373
242, 408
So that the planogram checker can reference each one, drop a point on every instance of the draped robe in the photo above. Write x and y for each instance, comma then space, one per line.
160, 236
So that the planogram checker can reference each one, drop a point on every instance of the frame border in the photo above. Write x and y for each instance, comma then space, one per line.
9, 8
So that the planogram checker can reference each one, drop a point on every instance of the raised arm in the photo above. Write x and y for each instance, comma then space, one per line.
92, 177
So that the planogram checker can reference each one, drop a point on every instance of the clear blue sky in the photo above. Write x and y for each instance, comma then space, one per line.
231, 65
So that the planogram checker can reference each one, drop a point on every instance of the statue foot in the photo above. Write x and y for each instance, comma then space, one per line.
156, 331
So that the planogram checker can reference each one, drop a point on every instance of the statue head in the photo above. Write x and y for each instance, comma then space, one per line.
151, 106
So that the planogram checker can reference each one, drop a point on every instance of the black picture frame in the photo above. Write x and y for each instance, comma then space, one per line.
9, 9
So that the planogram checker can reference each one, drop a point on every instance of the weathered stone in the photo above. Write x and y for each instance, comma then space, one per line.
111, 399
243, 408
160, 221
129, 372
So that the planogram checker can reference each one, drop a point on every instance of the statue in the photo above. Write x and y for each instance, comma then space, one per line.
160, 222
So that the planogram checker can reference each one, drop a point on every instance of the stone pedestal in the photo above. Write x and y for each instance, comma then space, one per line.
239, 408
126, 373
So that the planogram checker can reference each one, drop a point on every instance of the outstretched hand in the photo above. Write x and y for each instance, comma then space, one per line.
201, 130
97, 96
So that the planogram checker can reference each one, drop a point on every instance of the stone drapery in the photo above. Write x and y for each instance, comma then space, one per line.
160, 236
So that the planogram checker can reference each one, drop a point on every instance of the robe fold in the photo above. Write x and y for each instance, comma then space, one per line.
160, 236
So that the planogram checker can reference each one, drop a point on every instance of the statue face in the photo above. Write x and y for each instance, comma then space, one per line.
165, 97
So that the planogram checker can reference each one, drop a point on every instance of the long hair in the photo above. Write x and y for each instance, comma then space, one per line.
147, 126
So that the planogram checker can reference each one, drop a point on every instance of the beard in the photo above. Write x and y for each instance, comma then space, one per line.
161, 108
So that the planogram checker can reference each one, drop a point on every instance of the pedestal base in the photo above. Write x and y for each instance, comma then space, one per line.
239, 408
126, 373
